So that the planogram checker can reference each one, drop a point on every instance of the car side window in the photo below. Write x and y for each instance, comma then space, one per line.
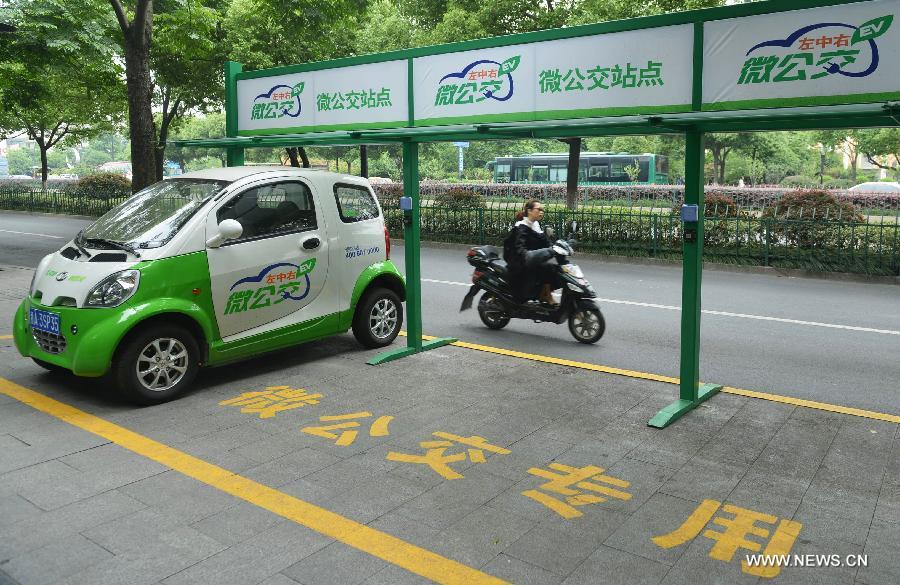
355, 203
271, 210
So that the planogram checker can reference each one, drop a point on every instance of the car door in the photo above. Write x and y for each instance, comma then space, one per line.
272, 275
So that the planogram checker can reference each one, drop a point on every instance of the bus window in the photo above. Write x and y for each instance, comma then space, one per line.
598, 173
540, 173
558, 174
501, 172
520, 174
617, 171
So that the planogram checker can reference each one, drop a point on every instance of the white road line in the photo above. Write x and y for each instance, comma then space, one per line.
719, 313
33, 234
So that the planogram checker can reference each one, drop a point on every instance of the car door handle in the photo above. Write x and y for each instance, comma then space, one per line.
311, 243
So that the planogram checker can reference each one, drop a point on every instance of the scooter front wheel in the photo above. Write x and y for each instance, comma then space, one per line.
491, 312
587, 325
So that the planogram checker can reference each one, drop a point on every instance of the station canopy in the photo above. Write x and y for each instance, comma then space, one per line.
759, 66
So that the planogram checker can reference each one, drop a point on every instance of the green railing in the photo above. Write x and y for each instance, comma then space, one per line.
782, 239
824, 245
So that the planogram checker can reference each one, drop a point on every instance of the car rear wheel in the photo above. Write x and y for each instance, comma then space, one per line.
378, 318
156, 364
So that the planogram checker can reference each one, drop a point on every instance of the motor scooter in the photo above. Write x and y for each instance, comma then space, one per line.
499, 303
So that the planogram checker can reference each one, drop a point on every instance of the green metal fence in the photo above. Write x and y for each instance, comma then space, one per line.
782, 239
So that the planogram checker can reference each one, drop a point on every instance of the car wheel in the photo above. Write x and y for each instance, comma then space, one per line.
491, 312
156, 364
587, 325
378, 318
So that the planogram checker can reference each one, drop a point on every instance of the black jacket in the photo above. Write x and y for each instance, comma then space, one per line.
520, 241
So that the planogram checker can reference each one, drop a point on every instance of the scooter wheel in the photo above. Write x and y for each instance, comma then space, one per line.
587, 325
491, 312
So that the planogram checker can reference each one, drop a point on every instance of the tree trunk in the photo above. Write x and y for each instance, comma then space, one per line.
140, 90
854, 156
363, 161
572, 172
304, 158
717, 156
292, 156
43, 148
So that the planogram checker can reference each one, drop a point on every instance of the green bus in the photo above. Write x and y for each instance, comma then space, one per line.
606, 168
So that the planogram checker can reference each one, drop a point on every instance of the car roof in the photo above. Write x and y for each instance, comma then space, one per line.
237, 173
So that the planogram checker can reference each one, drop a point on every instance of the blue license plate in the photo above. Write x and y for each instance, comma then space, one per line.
44, 321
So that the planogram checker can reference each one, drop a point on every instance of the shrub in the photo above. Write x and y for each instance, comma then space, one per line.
814, 204
799, 181
813, 219
103, 186
459, 198
838, 184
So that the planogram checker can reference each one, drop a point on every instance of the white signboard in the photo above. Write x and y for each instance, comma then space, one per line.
611, 74
360, 96
829, 55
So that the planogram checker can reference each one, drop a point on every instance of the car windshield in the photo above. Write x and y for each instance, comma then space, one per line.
152, 217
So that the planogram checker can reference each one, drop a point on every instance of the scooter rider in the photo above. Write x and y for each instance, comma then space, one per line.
527, 250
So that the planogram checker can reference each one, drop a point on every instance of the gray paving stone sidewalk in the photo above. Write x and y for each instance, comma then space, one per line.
77, 509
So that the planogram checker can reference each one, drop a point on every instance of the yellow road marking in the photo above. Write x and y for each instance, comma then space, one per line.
6, 336
669, 380
376, 543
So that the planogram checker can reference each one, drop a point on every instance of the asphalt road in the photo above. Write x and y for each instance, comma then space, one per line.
824, 340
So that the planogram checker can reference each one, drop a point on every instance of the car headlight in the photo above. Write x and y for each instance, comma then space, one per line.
114, 290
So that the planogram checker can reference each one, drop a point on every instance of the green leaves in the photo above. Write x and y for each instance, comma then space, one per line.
872, 29
510, 65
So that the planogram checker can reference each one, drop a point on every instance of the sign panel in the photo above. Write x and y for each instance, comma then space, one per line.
817, 56
361, 96
613, 74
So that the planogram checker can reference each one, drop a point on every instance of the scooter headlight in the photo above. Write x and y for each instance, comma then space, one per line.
114, 290
575, 287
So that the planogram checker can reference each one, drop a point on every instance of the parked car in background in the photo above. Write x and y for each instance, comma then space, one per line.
877, 187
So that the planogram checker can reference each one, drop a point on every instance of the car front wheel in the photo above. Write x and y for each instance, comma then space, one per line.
156, 364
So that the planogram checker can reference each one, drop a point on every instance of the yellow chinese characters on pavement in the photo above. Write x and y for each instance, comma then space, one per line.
274, 399
739, 524
562, 484
345, 424
436, 459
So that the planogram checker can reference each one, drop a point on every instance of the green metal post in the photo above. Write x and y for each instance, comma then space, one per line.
411, 245
234, 155
690, 393
411, 234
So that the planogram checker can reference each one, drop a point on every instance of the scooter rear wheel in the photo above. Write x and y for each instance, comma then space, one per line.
587, 325
491, 312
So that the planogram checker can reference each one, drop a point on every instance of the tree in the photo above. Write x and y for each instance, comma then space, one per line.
881, 148
844, 141
38, 91
137, 36
186, 66
272, 33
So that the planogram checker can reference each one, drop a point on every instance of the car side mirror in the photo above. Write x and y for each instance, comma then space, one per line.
229, 229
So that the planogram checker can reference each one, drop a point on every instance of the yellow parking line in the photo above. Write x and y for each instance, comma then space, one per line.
6, 336
669, 380
376, 543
